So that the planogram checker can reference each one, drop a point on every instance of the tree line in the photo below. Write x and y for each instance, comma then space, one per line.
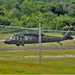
28, 13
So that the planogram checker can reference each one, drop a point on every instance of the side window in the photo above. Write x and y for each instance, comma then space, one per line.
25, 38
30, 37
10, 38
17, 38
20, 38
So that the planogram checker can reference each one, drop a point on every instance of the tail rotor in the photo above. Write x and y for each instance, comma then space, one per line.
71, 27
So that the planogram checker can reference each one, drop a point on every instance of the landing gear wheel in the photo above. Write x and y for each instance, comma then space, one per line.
17, 44
22, 44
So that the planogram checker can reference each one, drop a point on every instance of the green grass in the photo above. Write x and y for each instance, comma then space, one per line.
5, 35
21, 65
13, 62
35, 52
31, 66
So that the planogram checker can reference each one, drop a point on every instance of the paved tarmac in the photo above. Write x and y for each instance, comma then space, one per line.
38, 48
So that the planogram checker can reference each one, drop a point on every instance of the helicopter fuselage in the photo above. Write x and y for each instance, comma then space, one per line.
29, 38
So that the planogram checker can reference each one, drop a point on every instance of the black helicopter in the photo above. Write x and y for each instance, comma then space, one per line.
32, 37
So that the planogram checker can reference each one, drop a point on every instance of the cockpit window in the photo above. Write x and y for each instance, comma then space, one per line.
10, 38
17, 38
30, 37
13, 38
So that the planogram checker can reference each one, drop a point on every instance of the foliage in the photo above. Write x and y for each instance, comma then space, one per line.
18, 62
28, 13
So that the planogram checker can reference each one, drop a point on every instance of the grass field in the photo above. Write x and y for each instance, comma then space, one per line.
27, 62
5, 35
15, 62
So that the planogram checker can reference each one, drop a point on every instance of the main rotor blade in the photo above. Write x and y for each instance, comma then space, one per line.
8, 31
30, 28
19, 27
57, 31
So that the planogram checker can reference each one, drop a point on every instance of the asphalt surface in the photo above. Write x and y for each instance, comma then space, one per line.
38, 48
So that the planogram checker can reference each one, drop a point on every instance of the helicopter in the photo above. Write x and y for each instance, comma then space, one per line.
33, 37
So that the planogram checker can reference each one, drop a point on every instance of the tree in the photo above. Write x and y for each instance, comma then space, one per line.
59, 22
16, 22
72, 13
28, 7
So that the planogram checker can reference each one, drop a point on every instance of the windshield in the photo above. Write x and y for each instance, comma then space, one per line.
10, 38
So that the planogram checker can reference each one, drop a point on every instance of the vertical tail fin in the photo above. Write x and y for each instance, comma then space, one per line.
68, 33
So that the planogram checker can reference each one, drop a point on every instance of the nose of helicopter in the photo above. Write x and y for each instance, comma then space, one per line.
6, 42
